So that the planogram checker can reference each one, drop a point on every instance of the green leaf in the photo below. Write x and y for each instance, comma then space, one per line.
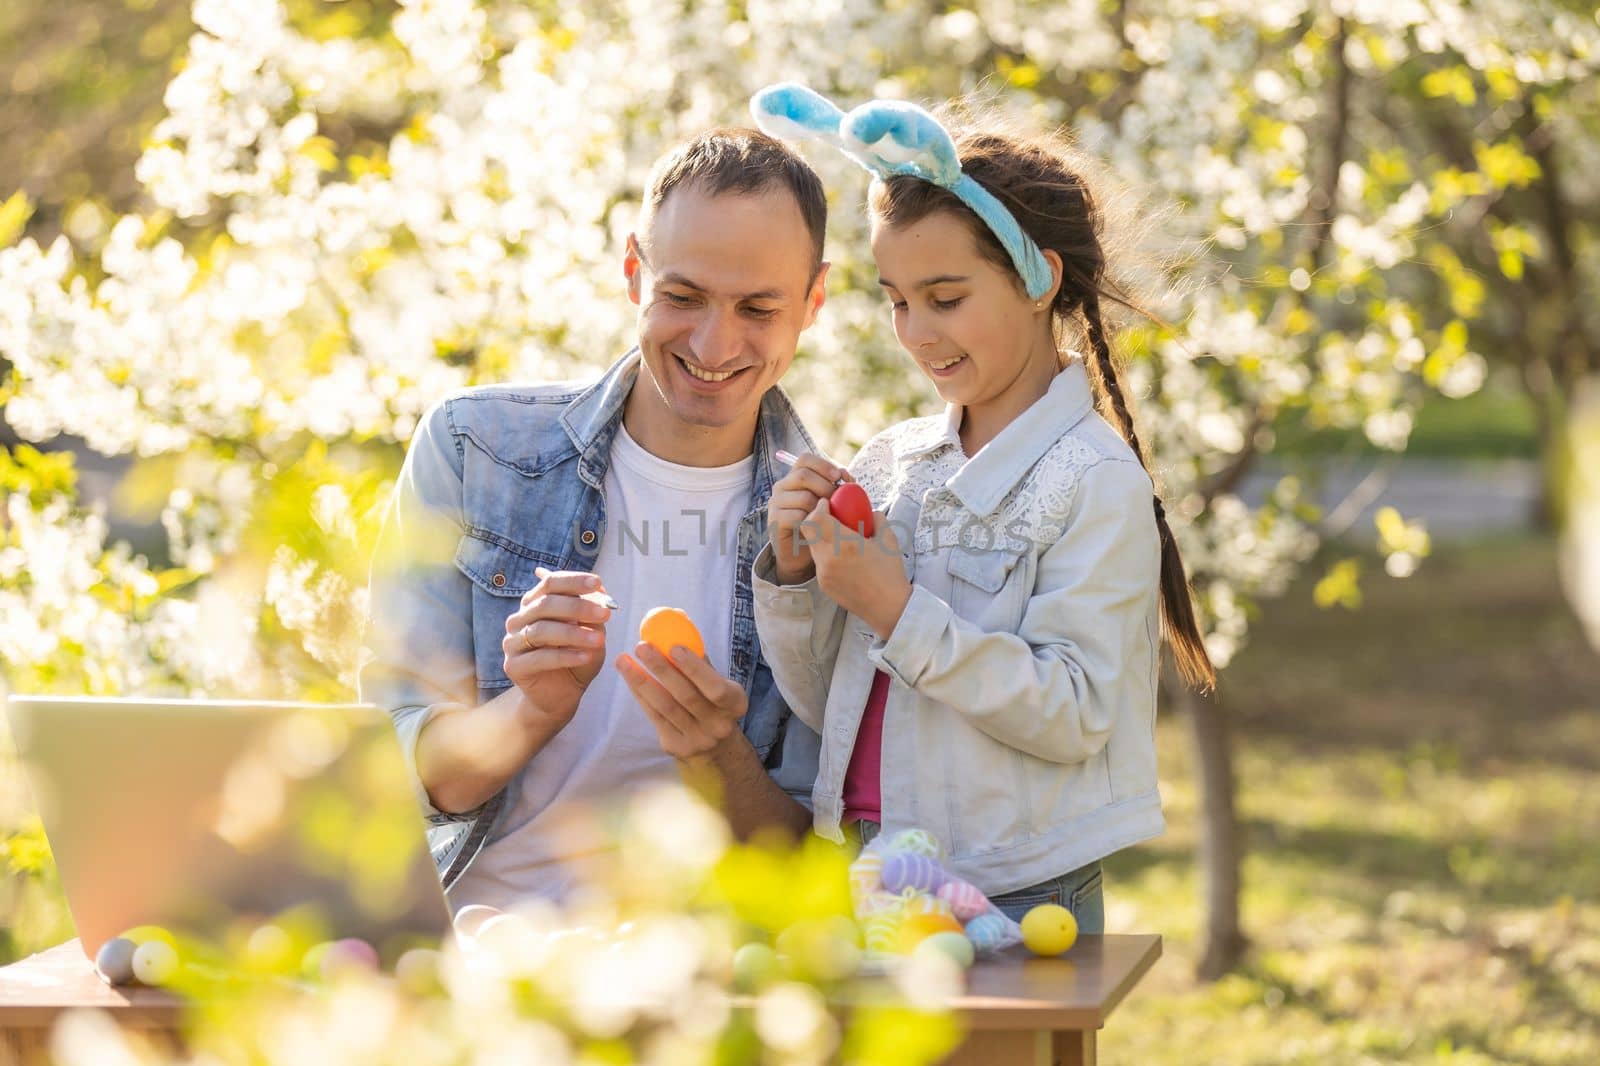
321, 151
14, 215
1395, 534
1454, 82
1511, 263
1506, 165
27, 851
1340, 586
41, 475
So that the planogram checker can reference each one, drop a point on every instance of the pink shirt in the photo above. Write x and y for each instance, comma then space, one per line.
863, 799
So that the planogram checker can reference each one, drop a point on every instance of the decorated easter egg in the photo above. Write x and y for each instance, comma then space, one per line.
852, 507
881, 932
988, 931
755, 966
866, 874
966, 900
880, 903
154, 963
918, 927
909, 870
922, 903
1049, 929
955, 946
270, 948
349, 955
665, 628
311, 961
114, 961
916, 841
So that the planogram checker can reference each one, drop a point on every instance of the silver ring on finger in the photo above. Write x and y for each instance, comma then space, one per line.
527, 641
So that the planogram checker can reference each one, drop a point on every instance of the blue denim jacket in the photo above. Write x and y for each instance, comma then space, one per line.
502, 479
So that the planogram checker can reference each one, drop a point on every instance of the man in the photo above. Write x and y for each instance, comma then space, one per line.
520, 510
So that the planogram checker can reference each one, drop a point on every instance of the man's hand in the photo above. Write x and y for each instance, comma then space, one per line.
794, 496
555, 644
864, 575
693, 707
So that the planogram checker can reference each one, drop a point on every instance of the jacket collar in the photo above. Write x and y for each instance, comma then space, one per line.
985, 479
592, 418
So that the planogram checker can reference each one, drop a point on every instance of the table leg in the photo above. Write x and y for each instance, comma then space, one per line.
1075, 1047
24, 1047
1002, 1047
999, 1047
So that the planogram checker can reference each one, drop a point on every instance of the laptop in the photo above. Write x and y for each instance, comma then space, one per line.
202, 817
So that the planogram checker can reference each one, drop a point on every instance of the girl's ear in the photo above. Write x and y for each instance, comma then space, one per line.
1053, 258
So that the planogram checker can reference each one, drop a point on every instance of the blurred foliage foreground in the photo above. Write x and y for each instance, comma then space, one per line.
1418, 786
689, 950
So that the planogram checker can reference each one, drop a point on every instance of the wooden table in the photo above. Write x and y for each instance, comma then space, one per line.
38, 990
1024, 1010
1018, 1010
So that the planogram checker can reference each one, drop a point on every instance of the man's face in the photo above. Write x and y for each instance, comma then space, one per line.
724, 286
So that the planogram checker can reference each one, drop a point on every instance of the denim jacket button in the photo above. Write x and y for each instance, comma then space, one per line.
588, 536
499, 581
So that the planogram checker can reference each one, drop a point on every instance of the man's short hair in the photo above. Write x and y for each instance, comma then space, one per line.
736, 160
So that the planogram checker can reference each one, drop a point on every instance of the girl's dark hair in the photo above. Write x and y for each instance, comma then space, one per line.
1039, 183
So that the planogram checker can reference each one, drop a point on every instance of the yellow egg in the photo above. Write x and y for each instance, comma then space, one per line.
1049, 929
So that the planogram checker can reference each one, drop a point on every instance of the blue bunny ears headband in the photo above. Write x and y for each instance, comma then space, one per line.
889, 138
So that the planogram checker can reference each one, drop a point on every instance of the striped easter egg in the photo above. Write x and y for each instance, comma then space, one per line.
874, 903
966, 900
904, 870
866, 874
922, 903
987, 931
881, 932
917, 842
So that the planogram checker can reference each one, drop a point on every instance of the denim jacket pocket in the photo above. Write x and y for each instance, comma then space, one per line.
500, 571
985, 588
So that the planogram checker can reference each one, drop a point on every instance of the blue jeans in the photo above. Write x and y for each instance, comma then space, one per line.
1079, 891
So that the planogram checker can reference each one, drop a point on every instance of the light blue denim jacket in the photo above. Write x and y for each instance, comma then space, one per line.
502, 479
1019, 726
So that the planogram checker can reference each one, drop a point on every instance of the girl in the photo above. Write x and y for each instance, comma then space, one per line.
996, 684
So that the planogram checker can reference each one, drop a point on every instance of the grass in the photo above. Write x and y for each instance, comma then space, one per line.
1420, 784
1496, 422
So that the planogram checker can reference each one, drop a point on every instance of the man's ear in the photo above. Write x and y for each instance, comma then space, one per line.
816, 296
633, 268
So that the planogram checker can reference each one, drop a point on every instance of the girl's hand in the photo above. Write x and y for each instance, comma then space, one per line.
865, 576
794, 497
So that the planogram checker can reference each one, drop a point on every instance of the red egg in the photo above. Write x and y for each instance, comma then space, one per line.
851, 506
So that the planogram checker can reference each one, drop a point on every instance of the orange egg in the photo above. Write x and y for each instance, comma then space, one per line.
665, 628
918, 927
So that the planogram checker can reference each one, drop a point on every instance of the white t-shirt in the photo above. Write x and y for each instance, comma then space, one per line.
671, 539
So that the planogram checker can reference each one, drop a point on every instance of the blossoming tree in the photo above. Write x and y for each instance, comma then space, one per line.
340, 228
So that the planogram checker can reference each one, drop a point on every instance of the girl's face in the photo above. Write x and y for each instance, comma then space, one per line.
965, 321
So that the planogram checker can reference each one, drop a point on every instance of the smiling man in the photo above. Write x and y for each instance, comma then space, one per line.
534, 526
